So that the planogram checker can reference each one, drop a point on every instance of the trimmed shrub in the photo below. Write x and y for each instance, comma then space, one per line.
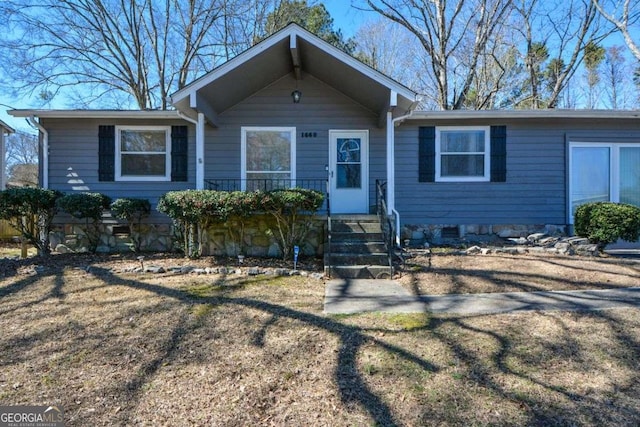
193, 211
30, 211
293, 211
87, 206
605, 222
133, 211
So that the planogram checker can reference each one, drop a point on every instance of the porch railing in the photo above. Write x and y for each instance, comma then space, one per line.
387, 222
318, 184
265, 184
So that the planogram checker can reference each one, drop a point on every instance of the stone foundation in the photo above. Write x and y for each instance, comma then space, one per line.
257, 241
418, 234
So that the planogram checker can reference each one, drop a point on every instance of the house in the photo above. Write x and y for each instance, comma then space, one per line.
294, 110
5, 130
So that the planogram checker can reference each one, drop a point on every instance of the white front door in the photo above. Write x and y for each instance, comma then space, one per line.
349, 171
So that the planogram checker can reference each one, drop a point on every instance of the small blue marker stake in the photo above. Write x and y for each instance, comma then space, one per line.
296, 251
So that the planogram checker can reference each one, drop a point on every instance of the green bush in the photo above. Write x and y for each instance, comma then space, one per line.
292, 210
133, 211
30, 211
195, 210
87, 206
192, 211
604, 222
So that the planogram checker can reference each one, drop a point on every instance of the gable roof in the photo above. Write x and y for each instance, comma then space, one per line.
6, 128
291, 50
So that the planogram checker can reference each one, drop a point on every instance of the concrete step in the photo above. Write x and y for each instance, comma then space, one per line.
358, 247
345, 237
355, 227
354, 217
359, 272
380, 258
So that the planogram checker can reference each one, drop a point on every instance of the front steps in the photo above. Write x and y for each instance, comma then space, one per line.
357, 249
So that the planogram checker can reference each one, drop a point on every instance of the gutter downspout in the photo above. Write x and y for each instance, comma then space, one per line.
391, 170
199, 147
45, 150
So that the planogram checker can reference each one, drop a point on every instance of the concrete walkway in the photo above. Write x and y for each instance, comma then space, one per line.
348, 296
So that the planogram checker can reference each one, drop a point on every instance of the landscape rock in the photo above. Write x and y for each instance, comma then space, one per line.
473, 250
63, 249
154, 269
254, 271
535, 237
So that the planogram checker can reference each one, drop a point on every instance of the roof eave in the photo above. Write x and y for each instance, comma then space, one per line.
525, 114
6, 127
97, 114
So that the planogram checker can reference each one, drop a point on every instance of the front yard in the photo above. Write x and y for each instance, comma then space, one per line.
118, 348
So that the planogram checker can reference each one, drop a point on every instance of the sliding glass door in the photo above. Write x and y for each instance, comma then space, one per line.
604, 172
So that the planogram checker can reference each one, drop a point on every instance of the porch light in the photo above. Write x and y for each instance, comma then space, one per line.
296, 95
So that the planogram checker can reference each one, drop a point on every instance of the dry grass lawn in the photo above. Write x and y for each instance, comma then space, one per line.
139, 349
467, 274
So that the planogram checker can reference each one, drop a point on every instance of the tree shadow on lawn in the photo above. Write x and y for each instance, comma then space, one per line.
522, 281
574, 408
584, 408
351, 384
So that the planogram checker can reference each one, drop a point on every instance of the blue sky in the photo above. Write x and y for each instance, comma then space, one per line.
345, 17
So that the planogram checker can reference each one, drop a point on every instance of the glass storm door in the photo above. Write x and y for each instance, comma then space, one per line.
349, 171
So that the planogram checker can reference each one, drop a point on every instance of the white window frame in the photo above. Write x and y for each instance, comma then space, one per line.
243, 151
614, 168
118, 154
487, 154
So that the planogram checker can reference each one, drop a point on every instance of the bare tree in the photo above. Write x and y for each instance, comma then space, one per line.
594, 55
624, 15
614, 75
143, 49
387, 47
567, 28
22, 159
447, 31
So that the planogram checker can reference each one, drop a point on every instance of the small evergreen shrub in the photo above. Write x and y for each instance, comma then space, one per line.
87, 206
133, 211
194, 210
605, 222
30, 211
293, 211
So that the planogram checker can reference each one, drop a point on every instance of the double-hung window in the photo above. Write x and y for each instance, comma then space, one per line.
268, 158
462, 154
143, 153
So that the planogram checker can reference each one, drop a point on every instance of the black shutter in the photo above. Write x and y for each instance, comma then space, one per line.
427, 154
179, 153
498, 153
106, 152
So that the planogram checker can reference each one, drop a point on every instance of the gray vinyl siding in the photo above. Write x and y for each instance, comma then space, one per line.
73, 149
535, 191
321, 109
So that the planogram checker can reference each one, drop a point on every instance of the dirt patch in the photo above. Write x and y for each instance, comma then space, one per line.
462, 274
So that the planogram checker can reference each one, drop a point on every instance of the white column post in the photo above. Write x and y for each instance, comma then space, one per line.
391, 165
200, 152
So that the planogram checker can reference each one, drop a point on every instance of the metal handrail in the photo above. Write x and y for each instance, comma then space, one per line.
387, 222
